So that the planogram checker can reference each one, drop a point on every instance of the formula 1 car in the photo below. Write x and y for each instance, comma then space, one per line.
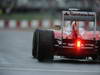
72, 41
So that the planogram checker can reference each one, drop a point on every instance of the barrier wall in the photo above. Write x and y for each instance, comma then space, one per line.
34, 23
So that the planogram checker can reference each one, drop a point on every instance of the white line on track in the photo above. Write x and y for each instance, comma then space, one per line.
44, 70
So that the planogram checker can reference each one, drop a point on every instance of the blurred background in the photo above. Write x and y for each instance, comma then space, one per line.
34, 12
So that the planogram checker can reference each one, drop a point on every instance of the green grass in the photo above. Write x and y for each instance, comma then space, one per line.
27, 16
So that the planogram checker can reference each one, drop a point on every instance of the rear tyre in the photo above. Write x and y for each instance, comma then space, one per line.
98, 49
34, 46
45, 45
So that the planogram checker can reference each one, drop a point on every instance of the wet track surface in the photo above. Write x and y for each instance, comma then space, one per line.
16, 59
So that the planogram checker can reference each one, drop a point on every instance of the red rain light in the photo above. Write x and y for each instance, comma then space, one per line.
78, 44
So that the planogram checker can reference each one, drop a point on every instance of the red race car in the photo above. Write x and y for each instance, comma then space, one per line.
73, 40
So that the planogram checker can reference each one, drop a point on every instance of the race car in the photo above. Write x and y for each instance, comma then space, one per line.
71, 41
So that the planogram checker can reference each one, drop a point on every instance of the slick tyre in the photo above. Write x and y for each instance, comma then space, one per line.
34, 43
45, 41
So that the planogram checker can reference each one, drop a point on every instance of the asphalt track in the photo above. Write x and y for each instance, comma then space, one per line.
16, 59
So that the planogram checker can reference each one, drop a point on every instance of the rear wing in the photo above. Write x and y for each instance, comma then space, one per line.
76, 15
